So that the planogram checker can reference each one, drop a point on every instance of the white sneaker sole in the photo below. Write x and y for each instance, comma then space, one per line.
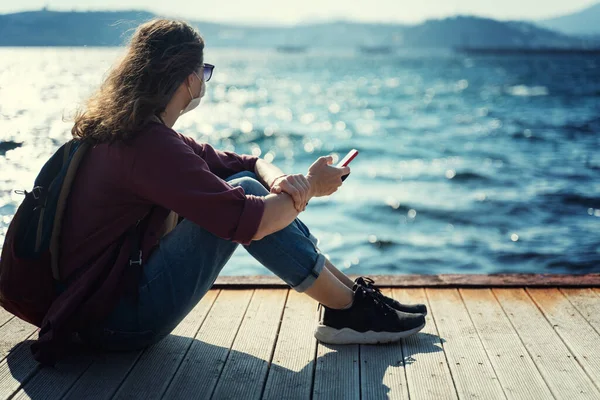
327, 334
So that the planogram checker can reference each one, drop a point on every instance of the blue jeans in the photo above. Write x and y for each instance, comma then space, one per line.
185, 266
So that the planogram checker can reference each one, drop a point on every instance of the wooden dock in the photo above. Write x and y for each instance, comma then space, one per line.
257, 343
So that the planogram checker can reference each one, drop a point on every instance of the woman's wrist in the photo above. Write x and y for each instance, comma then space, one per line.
312, 192
267, 173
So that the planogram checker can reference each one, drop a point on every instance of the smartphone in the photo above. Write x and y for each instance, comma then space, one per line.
346, 160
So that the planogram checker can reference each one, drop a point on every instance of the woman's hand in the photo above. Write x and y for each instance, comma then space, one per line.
296, 186
324, 178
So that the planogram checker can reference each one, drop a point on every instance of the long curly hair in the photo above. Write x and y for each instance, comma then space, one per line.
160, 56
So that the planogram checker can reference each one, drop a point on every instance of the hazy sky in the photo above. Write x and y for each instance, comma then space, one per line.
282, 11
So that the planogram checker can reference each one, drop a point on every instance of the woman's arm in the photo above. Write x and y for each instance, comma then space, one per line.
165, 171
279, 212
267, 172
279, 209
224, 163
221, 163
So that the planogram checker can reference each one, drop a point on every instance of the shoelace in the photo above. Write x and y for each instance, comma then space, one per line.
376, 299
370, 285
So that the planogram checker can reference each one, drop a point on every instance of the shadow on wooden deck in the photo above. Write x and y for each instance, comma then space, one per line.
521, 343
102, 373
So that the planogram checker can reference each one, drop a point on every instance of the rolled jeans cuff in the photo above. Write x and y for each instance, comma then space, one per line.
314, 274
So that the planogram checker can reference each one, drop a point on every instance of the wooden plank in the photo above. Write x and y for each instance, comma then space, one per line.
471, 369
152, 373
103, 377
337, 375
54, 382
198, 374
12, 333
18, 367
246, 368
587, 303
555, 362
337, 372
515, 369
292, 368
382, 372
434, 281
579, 336
108, 371
16, 362
427, 372
107, 374
5, 316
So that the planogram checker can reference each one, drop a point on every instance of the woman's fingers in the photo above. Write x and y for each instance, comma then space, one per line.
298, 194
325, 160
290, 189
305, 190
297, 186
301, 183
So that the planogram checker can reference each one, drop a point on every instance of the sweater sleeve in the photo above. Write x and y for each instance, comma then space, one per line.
168, 172
221, 163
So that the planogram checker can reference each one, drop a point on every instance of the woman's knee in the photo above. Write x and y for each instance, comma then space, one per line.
250, 184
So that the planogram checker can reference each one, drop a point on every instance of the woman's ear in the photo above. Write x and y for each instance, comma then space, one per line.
189, 81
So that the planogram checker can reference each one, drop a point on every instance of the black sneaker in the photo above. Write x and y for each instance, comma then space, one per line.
369, 284
367, 321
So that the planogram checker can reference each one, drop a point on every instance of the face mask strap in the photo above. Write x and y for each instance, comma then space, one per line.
190, 89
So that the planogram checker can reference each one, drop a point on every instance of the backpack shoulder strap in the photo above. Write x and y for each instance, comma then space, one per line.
65, 190
67, 151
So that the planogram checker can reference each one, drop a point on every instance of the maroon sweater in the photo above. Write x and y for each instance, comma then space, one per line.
117, 185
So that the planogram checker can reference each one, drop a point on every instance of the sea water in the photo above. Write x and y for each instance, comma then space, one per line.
468, 164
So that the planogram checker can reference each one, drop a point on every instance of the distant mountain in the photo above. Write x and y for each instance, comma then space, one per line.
584, 22
483, 32
50, 28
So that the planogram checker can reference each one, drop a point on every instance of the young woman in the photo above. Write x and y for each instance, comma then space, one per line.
192, 205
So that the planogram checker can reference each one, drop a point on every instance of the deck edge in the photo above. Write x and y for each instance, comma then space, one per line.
435, 281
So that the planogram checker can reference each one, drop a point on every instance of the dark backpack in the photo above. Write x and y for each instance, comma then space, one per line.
29, 273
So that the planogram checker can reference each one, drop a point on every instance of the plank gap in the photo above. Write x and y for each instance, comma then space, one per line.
523, 343
392, 294
18, 351
76, 380
202, 365
116, 389
568, 346
481, 340
578, 310
562, 376
150, 374
193, 336
2, 323
264, 385
214, 389
437, 330
314, 368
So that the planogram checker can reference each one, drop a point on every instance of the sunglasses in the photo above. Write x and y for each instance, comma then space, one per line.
208, 71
